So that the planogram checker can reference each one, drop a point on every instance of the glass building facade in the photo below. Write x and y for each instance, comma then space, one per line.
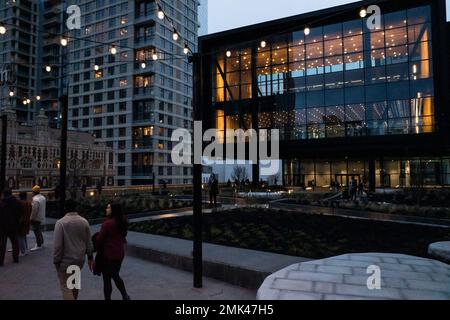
342, 81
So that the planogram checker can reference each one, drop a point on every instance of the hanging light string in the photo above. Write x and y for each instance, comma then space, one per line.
162, 15
176, 36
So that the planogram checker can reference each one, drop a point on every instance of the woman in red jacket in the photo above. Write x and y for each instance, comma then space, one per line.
110, 243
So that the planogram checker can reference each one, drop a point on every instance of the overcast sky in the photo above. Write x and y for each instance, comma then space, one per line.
230, 14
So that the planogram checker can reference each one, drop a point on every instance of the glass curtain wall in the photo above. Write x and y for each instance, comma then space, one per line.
341, 80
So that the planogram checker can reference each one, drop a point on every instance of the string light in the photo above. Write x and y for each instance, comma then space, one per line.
175, 35
143, 65
38, 98
2, 28
161, 14
96, 67
307, 31
363, 13
48, 68
64, 42
228, 53
154, 56
113, 50
11, 93
186, 48
263, 44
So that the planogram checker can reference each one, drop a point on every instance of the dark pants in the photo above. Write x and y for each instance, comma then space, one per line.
15, 246
213, 199
110, 271
37, 229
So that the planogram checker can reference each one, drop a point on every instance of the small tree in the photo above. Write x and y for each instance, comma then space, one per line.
239, 174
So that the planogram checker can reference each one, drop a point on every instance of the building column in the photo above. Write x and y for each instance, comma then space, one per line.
372, 176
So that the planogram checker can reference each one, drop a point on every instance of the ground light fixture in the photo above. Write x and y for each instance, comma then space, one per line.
161, 14
2, 28
363, 13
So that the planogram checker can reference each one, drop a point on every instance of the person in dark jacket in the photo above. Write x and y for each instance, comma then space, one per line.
110, 244
10, 213
24, 227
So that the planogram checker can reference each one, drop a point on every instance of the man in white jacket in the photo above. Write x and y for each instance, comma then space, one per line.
38, 216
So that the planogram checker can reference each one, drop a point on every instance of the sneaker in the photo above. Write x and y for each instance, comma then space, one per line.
35, 248
9, 250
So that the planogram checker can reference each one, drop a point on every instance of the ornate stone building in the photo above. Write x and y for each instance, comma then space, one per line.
33, 156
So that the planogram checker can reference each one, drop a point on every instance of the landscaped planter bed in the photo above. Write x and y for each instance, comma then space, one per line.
309, 236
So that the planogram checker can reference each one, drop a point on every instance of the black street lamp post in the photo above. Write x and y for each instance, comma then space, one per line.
3, 153
196, 60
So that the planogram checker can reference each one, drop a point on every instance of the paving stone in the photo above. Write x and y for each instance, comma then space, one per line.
363, 291
292, 285
348, 263
428, 285
297, 295
307, 267
418, 262
317, 276
370, 259
424, 295
424, 269
336, 270
394, 267
389, 260
324, 287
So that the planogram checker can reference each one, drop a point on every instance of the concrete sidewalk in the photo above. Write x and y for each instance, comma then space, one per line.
34, 278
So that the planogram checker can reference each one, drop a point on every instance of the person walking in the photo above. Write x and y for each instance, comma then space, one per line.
24, 226
213, 187
72, 243
38, 212
99, 189
110, 244
10, 212
83, 190
354, 188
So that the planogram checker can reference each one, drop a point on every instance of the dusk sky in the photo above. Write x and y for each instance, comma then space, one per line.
230, 14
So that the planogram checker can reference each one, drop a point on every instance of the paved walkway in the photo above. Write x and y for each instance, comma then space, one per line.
345, 277
34, 278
